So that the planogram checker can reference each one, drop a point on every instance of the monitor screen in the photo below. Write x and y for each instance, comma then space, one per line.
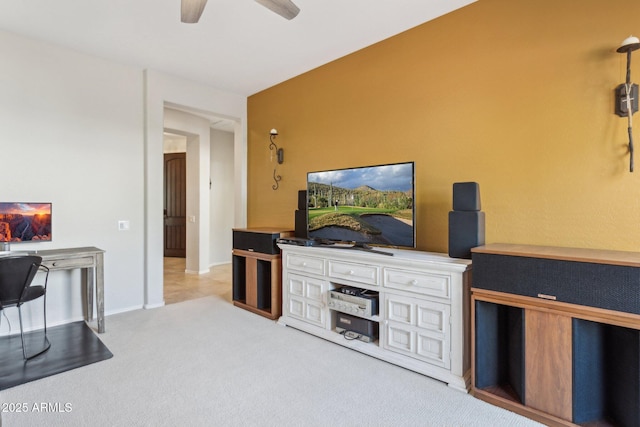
25, 222
364, 205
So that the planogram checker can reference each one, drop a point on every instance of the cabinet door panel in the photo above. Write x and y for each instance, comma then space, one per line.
251, 274
309, 311
314, 313
432, 348
433, 316
296, 285
314, 290
306, 298
399, 311
296, 307
548, 363
399, 338
418, 328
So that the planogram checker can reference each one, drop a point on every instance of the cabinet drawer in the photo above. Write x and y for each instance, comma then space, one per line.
437, 285
368, 274
69, 263
305, 264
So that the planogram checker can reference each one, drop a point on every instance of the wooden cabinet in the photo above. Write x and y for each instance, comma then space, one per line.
423, 305
257, 270
558, 362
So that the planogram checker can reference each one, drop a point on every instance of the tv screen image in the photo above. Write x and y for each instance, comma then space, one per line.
25, 222
363, 205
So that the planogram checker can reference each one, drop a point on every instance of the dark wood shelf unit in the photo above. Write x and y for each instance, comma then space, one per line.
558, 362
257, 273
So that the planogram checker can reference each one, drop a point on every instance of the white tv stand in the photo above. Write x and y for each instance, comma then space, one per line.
423, 305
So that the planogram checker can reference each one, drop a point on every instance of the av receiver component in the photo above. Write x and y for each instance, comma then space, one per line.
360, 302
356, 328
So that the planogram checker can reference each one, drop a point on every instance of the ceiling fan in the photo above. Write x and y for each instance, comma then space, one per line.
192, 9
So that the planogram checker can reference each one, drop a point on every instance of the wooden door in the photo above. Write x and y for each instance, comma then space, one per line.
175, 205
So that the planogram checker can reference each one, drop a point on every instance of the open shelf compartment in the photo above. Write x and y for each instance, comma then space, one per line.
500, 350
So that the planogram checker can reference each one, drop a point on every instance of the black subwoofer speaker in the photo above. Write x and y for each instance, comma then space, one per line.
466, 221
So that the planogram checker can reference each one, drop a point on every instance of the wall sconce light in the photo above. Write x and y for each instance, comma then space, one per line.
627, 93
274, 147
279, 155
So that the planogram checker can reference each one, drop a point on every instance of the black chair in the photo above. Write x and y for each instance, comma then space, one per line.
16, 275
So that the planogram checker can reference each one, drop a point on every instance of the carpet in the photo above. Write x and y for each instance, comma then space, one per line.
205, 362
72, 345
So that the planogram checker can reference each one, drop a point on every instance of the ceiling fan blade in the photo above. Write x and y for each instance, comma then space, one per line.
284, 8
190, 10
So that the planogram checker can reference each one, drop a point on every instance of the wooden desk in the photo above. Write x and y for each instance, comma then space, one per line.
91, 261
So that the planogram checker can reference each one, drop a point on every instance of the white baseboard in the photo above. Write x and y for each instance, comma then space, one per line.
124, 310
150, 306
217, 264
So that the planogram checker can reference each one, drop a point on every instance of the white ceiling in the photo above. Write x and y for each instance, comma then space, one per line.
238, 45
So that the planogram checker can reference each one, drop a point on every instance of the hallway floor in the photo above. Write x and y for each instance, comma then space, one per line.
180, 286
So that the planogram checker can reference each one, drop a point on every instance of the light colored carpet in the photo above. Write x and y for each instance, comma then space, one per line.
207, 363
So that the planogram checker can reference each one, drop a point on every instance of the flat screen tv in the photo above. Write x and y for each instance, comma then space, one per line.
25, 222
368, 205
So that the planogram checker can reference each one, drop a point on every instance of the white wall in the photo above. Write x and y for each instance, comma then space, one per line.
222, 197
86, 134
72, 134
174, 143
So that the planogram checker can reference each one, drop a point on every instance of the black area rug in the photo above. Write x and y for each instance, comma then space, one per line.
72, 345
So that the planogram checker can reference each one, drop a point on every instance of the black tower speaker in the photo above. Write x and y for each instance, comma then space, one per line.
466, 231
302, 200
301, 224
466, 221
301, 215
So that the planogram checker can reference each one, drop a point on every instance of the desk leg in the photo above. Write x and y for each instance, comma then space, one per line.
89, 284
100, 291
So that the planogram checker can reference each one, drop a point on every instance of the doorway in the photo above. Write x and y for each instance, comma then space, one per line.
198, 183
164, 94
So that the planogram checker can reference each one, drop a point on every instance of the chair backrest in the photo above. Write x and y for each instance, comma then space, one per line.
16, 274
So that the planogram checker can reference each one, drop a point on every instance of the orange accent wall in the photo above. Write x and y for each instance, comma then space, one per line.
515, 95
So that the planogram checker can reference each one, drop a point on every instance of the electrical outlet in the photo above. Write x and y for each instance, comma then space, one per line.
123, 225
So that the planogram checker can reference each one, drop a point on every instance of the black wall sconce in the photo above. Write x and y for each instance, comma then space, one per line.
627, 93
279, 155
